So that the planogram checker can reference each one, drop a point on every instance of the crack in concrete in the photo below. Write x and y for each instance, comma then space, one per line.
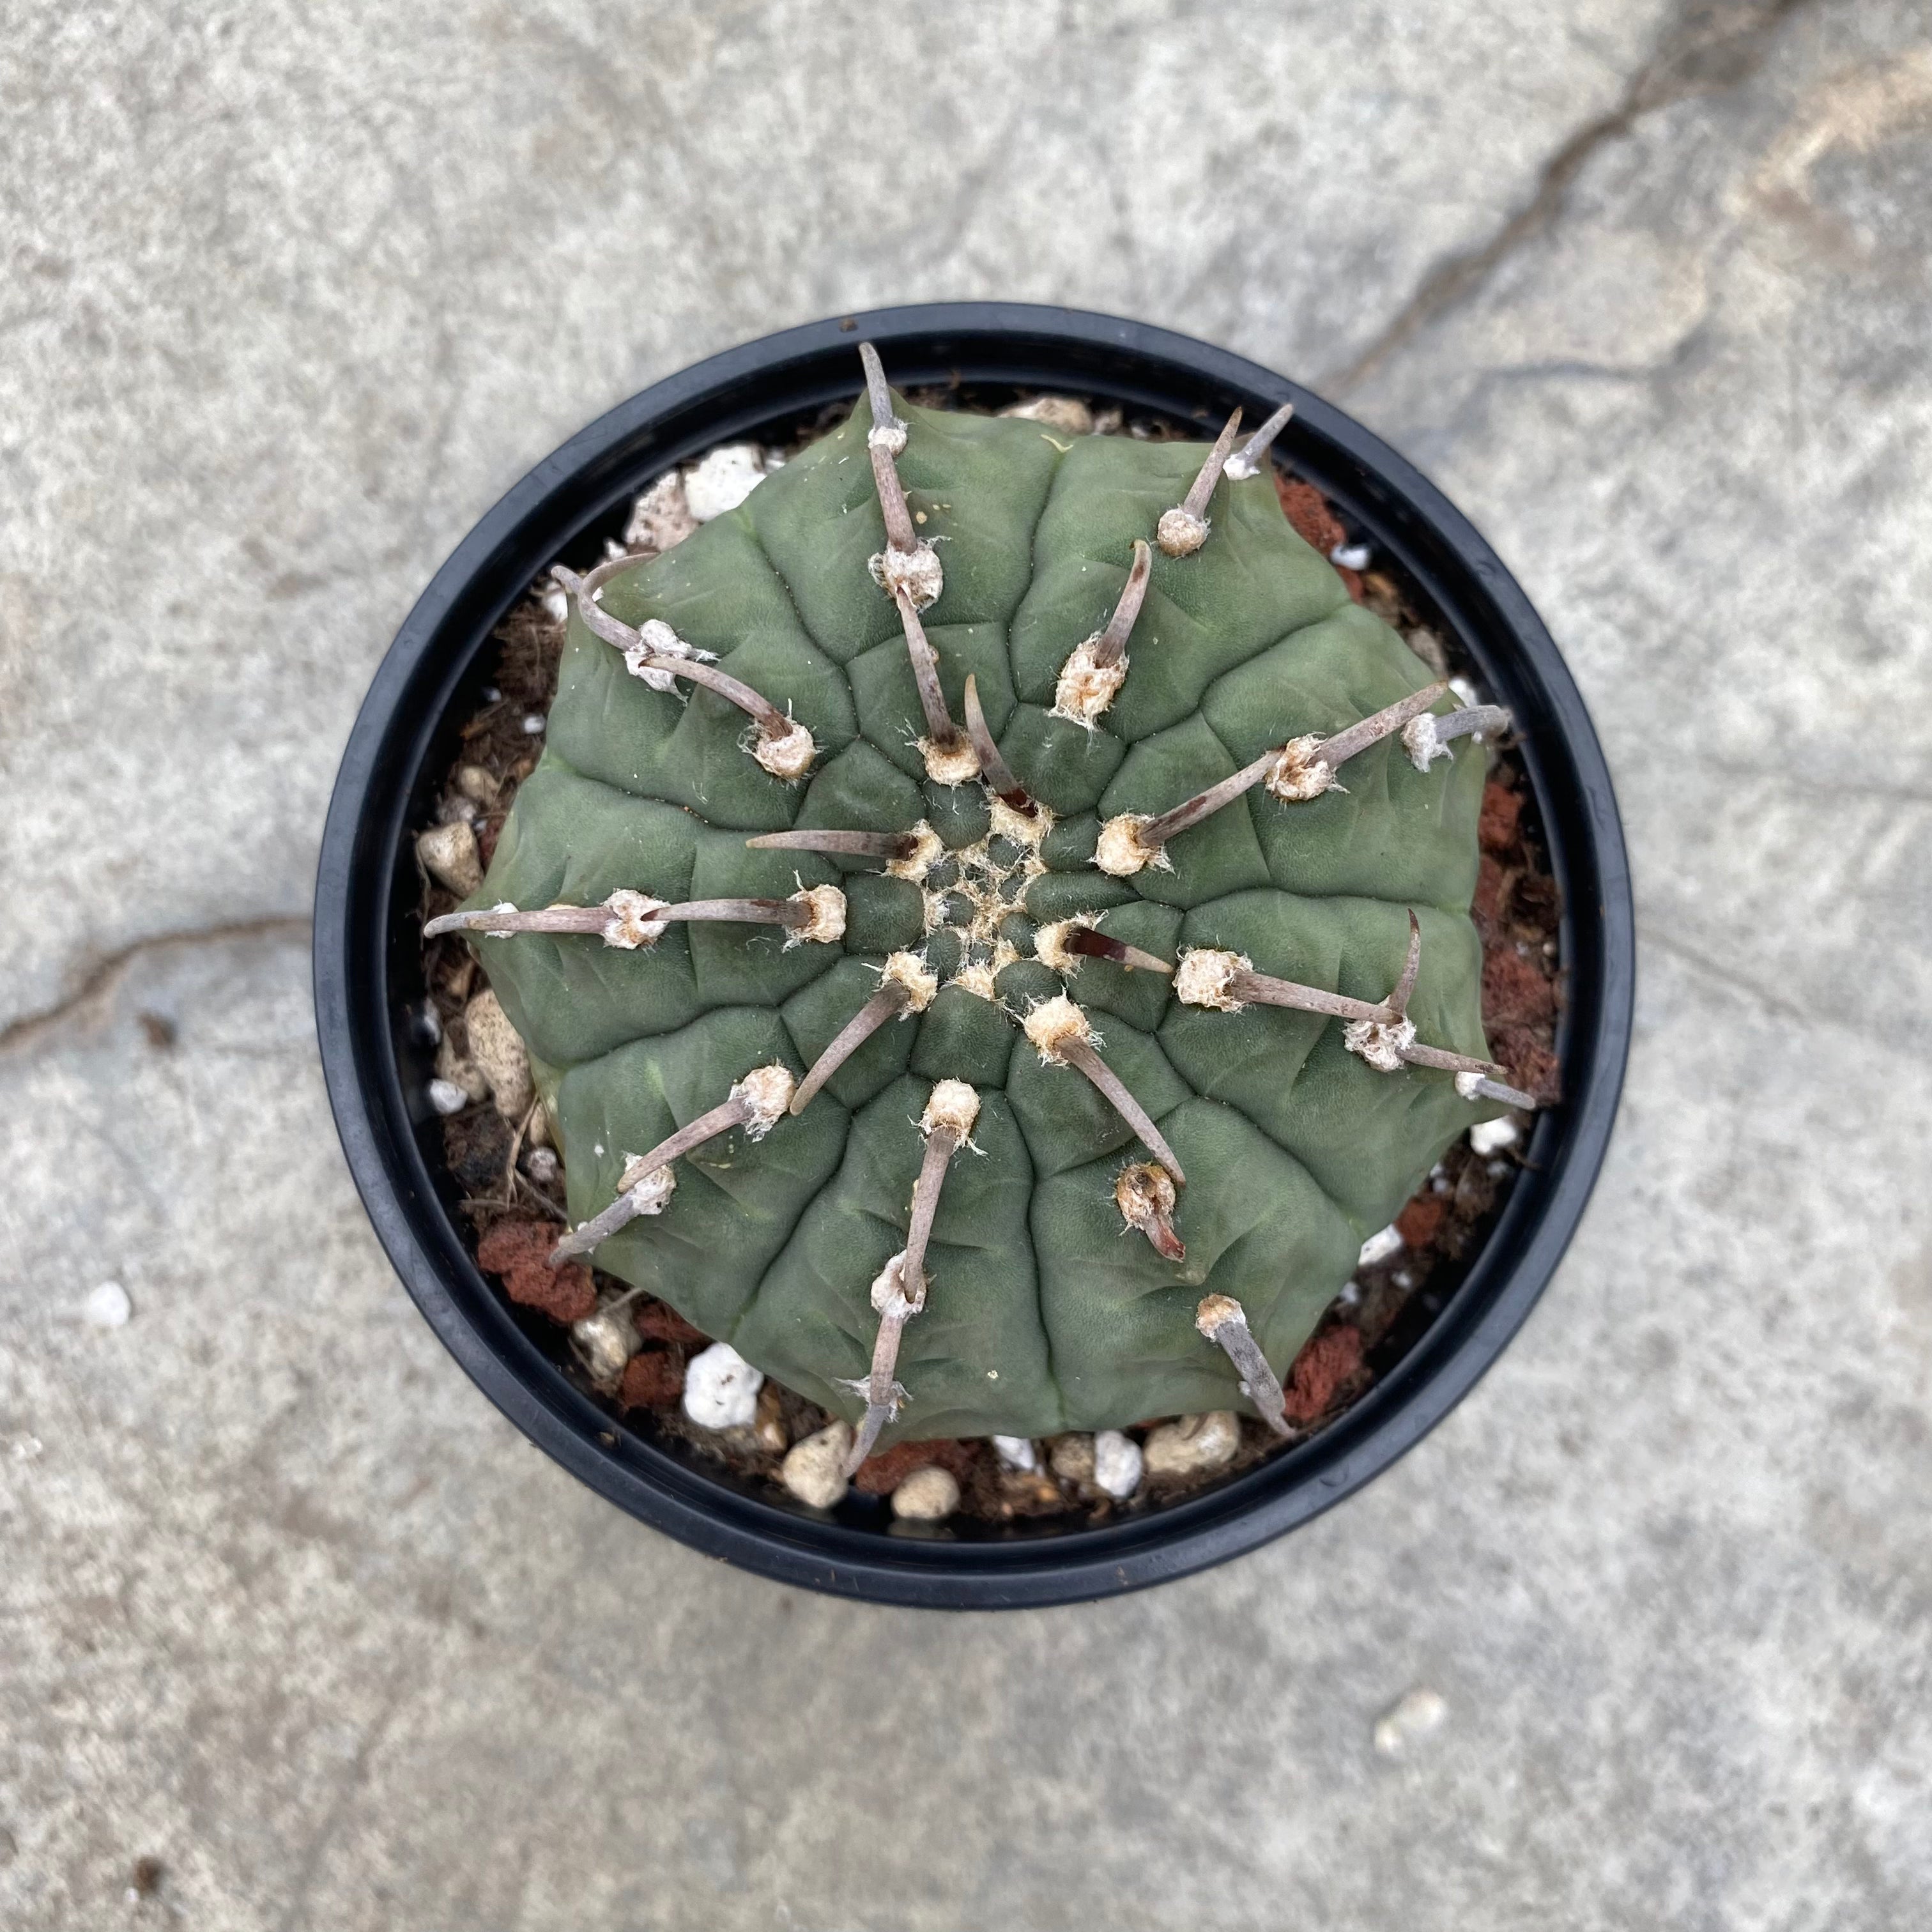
1712, 49
103, 980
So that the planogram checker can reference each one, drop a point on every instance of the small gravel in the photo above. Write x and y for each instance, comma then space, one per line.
814, 1471
930, 1494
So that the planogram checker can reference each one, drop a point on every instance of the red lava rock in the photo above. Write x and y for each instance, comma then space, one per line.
1417, 1223
1529, 1063
880, 1474
1318, 1375
1309, 515
1307, 512
1501, 807
658, 1321
519, 1251
653, 1378
1514, 993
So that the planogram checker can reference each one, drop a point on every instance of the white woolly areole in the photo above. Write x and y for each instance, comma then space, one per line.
1116, 1458
721, 1388
766, 1092
1205, 977
1008, 824
827, 905
953, 1104
916, 571
656, 639
1297, 774
789, 754
648, 1190
1470, 1085
1143, 1191
1380, 1044
909, 971
504, 905
955, 763
1120, 852
975, 977
1419, 741
1085, 688
1053, 1023
1216, 1311
1049, 942
723, 480
889, 1295
630, 925
929, 848
1180, 533
889, 436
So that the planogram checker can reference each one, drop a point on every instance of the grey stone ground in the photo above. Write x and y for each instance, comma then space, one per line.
292, 293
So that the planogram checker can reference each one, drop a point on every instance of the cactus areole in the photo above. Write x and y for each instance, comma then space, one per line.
983, 900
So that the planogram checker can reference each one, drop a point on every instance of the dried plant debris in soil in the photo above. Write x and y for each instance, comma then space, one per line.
510, 1178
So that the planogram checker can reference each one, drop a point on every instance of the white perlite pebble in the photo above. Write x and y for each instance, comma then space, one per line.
1193, 1444
1487, 1137
814, 1470
1016, 1452
1409, 1721
1379, 1247
1117, 1464
723, 480
1351, 556
721, 1388
930, 1494
107, 1307
446, 1097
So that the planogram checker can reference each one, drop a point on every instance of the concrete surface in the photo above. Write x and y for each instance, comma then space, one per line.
292, 293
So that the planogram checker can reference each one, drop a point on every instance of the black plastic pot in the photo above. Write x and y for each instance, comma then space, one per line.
368, 975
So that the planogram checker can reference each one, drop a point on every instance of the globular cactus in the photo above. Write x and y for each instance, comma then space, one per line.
991, 922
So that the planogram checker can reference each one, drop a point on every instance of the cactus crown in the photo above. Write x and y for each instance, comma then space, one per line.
990, 924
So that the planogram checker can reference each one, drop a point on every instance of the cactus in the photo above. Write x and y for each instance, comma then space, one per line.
991, 925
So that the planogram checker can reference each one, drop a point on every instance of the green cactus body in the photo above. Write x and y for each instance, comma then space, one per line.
1045, 1313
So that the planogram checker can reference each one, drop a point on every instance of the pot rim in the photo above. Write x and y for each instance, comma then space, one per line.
363, 951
